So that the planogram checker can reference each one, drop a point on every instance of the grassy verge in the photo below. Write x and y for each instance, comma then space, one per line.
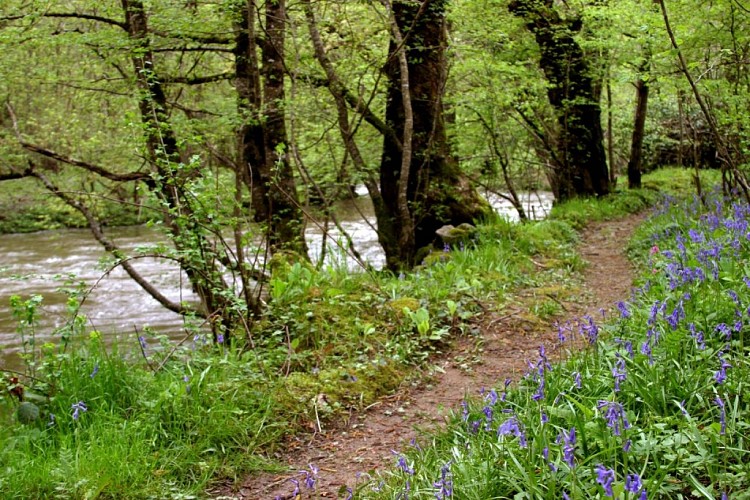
655, 407
169, 420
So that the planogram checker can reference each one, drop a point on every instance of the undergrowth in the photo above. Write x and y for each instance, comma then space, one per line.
153, 418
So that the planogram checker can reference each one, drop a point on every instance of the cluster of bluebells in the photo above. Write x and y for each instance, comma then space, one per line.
684, 274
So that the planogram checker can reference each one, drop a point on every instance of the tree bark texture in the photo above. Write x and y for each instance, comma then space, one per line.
436, 192
639, 126
265, 154
574, 94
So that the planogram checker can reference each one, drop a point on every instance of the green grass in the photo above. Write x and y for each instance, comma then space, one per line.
212, 412
674, 360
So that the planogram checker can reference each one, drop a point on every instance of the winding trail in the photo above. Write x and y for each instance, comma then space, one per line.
363, 441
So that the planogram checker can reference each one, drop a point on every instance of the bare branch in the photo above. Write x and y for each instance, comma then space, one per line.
199, 80
109, 246
75, 15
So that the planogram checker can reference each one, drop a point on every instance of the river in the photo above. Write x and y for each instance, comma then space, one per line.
42, 263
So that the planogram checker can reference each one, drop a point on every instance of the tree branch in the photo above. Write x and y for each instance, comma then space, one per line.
75, 15
199, 80
109, 246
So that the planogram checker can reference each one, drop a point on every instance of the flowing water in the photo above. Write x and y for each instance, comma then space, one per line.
43, 263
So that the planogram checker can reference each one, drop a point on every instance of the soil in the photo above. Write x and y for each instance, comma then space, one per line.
506, 342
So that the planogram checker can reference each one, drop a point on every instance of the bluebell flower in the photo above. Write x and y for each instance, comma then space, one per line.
444, 485
142, 341
464, 411
577, 379
724, 329
646, 349
512, 427
402, 464
626, 445
623, 307
311, 476
619, 373
615, 416
569, 449
722, 415
605, 477
78, 408
491, 397
633, 483
95, 371
589, 329
682, 408
721, 374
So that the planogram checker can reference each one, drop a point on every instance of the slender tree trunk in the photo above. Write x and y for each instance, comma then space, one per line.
437, 193
169, 179
636, 145
574, 95
263, 137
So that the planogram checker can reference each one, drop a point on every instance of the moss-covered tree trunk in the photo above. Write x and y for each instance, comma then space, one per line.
437, 192
581, 168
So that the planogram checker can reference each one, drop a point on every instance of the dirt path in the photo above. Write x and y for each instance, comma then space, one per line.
364, 441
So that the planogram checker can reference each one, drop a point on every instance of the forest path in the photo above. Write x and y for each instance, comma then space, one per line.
364, 441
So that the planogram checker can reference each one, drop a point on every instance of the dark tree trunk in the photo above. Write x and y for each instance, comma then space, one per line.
437, 193
636, 146
573, 93
265, 158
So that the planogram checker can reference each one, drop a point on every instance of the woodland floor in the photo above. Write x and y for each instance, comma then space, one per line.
506, 341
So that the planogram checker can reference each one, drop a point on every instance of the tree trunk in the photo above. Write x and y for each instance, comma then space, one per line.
169, 178
636, 146
573, 93
437, 193
265, 156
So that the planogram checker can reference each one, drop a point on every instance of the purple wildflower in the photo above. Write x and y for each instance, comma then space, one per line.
682, 408
569, 449
488, 416
51, 420
654, 311
95, 371
724, 329
78, 408
626, 445
589, 329
544, 417
623, 307
646, 349
615, 416
619, 373
512, 427
311, 476
142, 341
605, 477
445, 484
721, 375
220, 338
464, 411
577, 379
539, 394
633, 483
722, 415
295, 493
491, 397
402, 464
